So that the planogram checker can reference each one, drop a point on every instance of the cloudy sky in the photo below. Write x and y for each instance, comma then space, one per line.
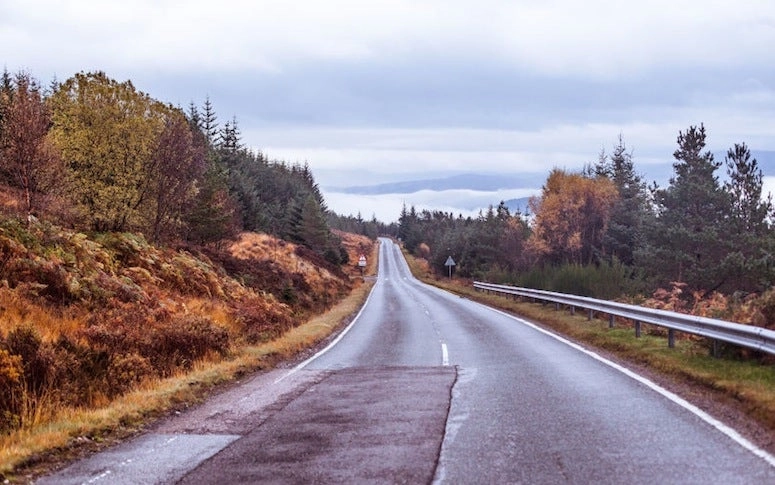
369, 92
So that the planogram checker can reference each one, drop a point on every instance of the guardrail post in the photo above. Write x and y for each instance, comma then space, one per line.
611, 320
671, 338
714, 349
591, 315
637, 329
572, 310
556, 306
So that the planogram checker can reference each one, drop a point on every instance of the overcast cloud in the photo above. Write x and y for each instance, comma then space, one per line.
374, 91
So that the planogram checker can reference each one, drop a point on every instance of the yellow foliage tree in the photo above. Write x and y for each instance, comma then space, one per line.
106, 132
571, 217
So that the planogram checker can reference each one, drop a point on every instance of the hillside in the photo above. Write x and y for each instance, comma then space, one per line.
86, 318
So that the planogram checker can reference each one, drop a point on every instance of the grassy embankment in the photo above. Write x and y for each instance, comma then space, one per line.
99, 336
747, 384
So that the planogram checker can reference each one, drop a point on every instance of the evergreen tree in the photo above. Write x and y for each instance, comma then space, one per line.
409, 228
748, 264
230, 138
214, 215
6, 93
194, 118
745, 185
209, 122
687, 241
625, 227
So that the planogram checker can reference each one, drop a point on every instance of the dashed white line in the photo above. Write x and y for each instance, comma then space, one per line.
444, 355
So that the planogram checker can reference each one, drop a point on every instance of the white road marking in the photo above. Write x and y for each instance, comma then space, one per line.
444, 355
333, 342
723, 428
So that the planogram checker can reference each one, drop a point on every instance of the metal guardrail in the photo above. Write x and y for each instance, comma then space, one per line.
747, 336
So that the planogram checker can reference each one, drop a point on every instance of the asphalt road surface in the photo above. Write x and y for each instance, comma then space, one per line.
428, 387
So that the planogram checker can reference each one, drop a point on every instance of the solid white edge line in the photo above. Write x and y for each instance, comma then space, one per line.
333, 342
444, 355
728, 431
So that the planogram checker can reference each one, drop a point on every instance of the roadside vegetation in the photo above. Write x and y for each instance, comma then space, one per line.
742, 380
701, 245
146, 255
602, 232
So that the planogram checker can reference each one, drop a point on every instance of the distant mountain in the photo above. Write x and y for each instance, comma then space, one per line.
485, 183
518, 205
766, 160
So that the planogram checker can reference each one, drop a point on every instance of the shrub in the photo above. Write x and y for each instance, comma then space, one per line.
184, 340
11, 372
168, 343
127, 371
260, 320
606, 281
37, 359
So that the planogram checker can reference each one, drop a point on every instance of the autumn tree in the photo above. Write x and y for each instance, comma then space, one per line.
25, 156
106, 132
176, 169
571, 217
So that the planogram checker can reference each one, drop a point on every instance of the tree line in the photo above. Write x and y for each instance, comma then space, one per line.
604, 223
99, 155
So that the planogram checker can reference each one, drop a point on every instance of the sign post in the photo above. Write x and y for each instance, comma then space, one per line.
449, 264
362, 263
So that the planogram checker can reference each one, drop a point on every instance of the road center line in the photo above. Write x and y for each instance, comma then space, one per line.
444, 354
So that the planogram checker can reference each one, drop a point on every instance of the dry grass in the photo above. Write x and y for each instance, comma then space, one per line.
72, 431
50, 322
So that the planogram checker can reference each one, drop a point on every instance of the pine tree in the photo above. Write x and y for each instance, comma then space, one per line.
6, 93
750, 239
745, 186
687, 241
625, 228
194, 118
209, 122
230, 138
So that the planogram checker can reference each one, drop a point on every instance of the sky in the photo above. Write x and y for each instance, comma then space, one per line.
368, 92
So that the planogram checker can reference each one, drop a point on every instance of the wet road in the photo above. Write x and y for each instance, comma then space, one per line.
426, 386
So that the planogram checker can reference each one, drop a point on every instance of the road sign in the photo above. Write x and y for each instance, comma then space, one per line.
449, 264
362, 261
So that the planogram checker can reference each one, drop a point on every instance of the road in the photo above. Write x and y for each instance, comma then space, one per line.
427, 387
